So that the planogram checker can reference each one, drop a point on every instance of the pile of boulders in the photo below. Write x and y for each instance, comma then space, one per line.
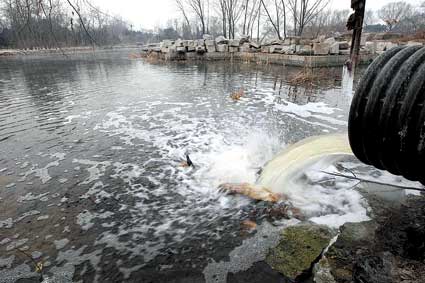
290, 45
294, 45
303, 46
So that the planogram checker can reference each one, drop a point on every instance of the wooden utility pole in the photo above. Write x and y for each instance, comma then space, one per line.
355, 23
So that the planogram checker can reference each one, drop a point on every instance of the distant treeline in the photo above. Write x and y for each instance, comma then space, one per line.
28, 24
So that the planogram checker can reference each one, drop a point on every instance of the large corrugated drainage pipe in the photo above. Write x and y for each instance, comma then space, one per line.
386, 125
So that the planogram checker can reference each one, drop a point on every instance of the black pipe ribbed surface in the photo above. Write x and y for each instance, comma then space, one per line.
386, 125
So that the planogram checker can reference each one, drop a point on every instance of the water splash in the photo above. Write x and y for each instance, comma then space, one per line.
296, 173
297, 158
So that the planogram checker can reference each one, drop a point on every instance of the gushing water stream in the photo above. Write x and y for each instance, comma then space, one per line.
301, 156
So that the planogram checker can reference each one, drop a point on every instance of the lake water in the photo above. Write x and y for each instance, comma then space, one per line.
90, 167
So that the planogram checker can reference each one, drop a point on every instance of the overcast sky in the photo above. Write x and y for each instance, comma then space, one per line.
150, 13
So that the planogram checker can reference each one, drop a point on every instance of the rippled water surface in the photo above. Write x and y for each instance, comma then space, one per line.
90, 166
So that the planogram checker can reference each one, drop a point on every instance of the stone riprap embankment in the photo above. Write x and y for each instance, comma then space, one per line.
294, 51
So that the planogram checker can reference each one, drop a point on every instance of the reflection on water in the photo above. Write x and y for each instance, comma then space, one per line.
91, 151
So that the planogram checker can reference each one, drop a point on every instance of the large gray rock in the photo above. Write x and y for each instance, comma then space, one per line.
211, 48
181, 49
221, 40
200, 42
344, 52
274, 41
207, 36
276, 49
200, 49
321, 48
210, 45
384, 45
179, 43
233, 49
334, 49
290, 49
370, 46
304, 50
191, 46
295, 39
155, 49
209, 42
166, 43
287, 41
299, 247
330, 40
305, 41
245, 47
321, 38
265, 48
343, 45
340, 256
234, 43
414, 43
390, 248
254, 45
244, 39
222, 48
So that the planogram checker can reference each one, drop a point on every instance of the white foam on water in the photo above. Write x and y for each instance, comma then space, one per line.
16, 244
43, 172
330, 205
43, 217
85, 218
96, 169
297, 173
60, 244
31, 197
312, 110
235, 163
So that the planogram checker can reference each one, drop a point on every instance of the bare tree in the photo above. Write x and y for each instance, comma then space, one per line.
392, 13
413, 20
234, 11
253, 14
284, 17
223, 13
369, 18
304, 12
198, 7
180, 6
275, 24
325, 22
277, 16
245, 8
